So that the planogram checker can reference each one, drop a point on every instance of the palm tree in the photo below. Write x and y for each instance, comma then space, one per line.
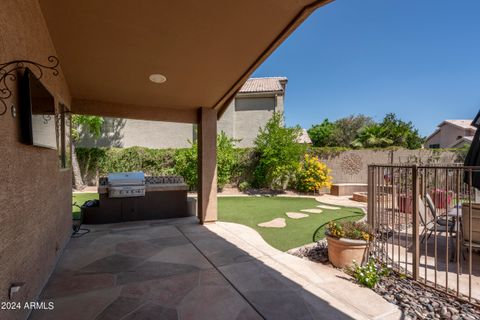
373, 136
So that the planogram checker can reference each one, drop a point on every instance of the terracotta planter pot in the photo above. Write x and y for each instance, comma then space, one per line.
342, 252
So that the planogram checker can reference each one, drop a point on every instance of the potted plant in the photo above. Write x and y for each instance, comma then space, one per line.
348, 242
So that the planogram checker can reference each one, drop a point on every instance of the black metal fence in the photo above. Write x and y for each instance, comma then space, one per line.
427, 224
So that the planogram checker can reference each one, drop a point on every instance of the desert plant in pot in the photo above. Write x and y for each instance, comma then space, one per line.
348, 242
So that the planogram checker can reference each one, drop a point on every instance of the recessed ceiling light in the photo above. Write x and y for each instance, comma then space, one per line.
157, 78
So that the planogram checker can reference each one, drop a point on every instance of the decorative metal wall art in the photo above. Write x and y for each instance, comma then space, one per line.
351, 164
8, 75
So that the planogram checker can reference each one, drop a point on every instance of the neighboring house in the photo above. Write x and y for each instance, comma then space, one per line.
252, 107
304, 137
451, 134
462, 142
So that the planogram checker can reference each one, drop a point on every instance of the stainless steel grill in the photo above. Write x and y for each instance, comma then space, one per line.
126, 184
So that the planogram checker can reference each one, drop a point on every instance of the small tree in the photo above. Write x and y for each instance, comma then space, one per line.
321, 134
93, 125
278, 153
347, 129
403, 134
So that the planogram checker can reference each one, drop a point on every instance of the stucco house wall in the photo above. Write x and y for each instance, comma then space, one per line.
227, 121
447, 135
123, 133
35, 223
251, 114
435, 140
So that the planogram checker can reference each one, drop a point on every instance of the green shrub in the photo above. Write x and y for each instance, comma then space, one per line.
245, 161
370, 274
91, 160
226, 159
244, 186
278, 154
186, 162
313, 175
186, 165
101, 161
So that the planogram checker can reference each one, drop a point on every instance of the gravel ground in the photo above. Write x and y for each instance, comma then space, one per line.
420, 302
317, 252
415, 300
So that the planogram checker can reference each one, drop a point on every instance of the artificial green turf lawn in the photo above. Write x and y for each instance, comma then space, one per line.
80, 199
251, 211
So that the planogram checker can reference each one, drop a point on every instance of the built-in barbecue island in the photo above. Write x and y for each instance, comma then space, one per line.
130, 196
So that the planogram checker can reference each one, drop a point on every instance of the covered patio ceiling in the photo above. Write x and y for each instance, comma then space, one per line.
206, 49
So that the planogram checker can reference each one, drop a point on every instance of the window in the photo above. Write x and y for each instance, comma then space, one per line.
255, 103
434, 146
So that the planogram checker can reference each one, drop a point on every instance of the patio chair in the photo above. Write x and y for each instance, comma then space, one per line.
475, 225
430, 221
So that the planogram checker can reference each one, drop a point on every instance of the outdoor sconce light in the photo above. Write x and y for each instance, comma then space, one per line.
9, 73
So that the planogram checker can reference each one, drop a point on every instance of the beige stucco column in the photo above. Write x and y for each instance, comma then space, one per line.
207, 165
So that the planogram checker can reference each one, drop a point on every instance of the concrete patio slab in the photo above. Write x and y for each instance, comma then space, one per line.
168, 270
331, 284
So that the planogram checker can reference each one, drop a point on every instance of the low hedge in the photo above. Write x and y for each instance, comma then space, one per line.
96, 162
100, 161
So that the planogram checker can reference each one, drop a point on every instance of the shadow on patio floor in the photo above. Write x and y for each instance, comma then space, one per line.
178, 269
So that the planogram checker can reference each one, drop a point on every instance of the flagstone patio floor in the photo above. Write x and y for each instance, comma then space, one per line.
178, 269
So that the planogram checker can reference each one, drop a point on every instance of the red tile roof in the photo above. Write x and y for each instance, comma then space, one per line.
466, 124
270, 84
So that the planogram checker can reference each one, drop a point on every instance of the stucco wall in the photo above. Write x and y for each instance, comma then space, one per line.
35, 195
248, 122
123, 133
227, 121
351, 166
447, 136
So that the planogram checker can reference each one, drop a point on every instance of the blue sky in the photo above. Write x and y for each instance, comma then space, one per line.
417, 58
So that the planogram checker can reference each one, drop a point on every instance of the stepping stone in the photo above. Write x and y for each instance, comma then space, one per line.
312, 210
275, 223
296, 215
324, 206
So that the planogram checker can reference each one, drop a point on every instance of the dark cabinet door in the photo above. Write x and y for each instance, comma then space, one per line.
130, 210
